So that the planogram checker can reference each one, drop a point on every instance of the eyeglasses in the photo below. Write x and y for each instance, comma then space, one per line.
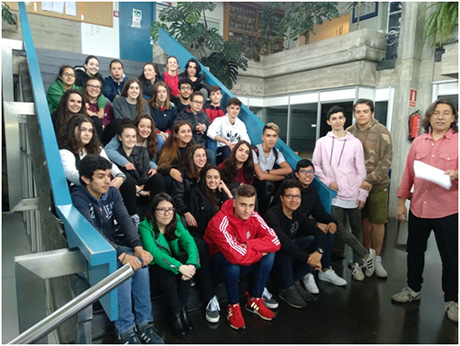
293, 196
93, 86
304, 171
198, 102
165, 210
65, 74
185, 88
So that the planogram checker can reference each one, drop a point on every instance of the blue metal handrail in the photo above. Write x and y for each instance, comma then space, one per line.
100, 255
253, 124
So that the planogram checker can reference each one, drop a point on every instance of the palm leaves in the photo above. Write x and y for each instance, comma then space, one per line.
189, 26
442, 23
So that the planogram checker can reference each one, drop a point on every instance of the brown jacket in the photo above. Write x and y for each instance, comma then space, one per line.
378, 152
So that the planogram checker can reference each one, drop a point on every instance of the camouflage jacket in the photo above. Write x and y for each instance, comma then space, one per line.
378, 152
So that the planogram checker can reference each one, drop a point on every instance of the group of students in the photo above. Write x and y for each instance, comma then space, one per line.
200, 221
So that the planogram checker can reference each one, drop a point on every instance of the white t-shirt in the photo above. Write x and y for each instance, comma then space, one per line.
267, 162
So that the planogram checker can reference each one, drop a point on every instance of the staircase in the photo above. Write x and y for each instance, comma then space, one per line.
51, 60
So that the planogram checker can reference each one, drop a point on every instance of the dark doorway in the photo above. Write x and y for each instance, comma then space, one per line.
347, 107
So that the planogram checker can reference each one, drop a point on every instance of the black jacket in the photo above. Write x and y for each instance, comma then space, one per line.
311, 204
287, 229
202, 209
180, 192
140, 158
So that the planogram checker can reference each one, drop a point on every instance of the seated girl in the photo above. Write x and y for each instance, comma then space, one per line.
93, 92
146, 137
138, 168
89, 69
192, 163
149, 76
129, 105
78, 141
173, 151
175, 258
192, 71
238, 169
206, 199
64, 81
70, 105
161, 109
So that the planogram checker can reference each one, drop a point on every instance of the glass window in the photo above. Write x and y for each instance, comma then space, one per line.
303, 129
278, 115
381, 112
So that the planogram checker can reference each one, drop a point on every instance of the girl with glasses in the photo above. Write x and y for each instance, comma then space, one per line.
175, 258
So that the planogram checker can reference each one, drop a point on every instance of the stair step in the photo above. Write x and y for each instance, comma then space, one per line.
51, 60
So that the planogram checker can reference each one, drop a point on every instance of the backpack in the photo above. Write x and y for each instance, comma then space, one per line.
256, 149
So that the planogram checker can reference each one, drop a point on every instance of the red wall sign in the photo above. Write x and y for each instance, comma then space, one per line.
412, 97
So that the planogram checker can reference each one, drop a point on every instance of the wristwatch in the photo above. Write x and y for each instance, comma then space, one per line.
321, 251
268, 171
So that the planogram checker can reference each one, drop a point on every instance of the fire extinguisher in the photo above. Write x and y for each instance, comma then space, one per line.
414, 124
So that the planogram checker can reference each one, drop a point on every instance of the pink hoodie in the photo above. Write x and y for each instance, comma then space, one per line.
341, 160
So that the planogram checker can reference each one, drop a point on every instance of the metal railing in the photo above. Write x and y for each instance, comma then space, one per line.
45, 326
99, 254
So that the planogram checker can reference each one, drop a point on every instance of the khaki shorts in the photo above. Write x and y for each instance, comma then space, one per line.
376, 207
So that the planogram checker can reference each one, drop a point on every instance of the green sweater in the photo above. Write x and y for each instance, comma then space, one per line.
164, 252
56, 90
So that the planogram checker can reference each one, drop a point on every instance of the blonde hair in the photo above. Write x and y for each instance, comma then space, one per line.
271, 126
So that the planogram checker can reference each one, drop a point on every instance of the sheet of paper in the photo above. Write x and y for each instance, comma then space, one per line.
433, 174
58, 7
71, 8
47, 6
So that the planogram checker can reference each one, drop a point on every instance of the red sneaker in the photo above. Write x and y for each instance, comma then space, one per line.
235, 317
257, 306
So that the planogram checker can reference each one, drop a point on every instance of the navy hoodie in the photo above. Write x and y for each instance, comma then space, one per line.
102, 213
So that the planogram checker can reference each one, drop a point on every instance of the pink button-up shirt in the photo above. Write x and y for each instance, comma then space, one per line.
431, 201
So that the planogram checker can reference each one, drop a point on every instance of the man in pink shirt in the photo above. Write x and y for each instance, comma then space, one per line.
432, 207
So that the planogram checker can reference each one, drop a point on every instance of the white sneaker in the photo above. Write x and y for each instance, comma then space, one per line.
310, 284
369, 263
379, 270
452, 310
406, 295
357, 272
330, 276
269, 301
212, 310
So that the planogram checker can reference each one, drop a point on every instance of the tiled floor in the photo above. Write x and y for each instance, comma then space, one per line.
360, 312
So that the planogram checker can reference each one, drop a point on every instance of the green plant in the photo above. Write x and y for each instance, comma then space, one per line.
7, 16
442, 22
302, 16
188, 25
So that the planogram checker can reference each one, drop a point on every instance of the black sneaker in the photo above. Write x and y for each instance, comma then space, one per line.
148, 335
290, 296
129, 337
302, 292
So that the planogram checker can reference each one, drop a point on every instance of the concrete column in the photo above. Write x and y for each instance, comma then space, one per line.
415, 68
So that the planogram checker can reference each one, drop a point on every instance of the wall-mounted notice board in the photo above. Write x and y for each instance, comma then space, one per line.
100, 13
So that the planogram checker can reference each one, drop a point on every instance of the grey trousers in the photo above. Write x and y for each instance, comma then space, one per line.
355, 238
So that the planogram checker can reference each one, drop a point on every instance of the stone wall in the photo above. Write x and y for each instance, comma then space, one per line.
48, 32
353, 57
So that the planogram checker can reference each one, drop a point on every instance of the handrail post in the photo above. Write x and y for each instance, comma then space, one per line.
42, 328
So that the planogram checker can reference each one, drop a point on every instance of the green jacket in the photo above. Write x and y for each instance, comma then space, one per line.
56, 90
165, 252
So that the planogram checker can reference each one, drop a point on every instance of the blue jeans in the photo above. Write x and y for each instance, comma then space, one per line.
230, 273
327, 257
136, 288
291, 269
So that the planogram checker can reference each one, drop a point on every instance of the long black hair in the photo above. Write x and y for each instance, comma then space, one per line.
170, 231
